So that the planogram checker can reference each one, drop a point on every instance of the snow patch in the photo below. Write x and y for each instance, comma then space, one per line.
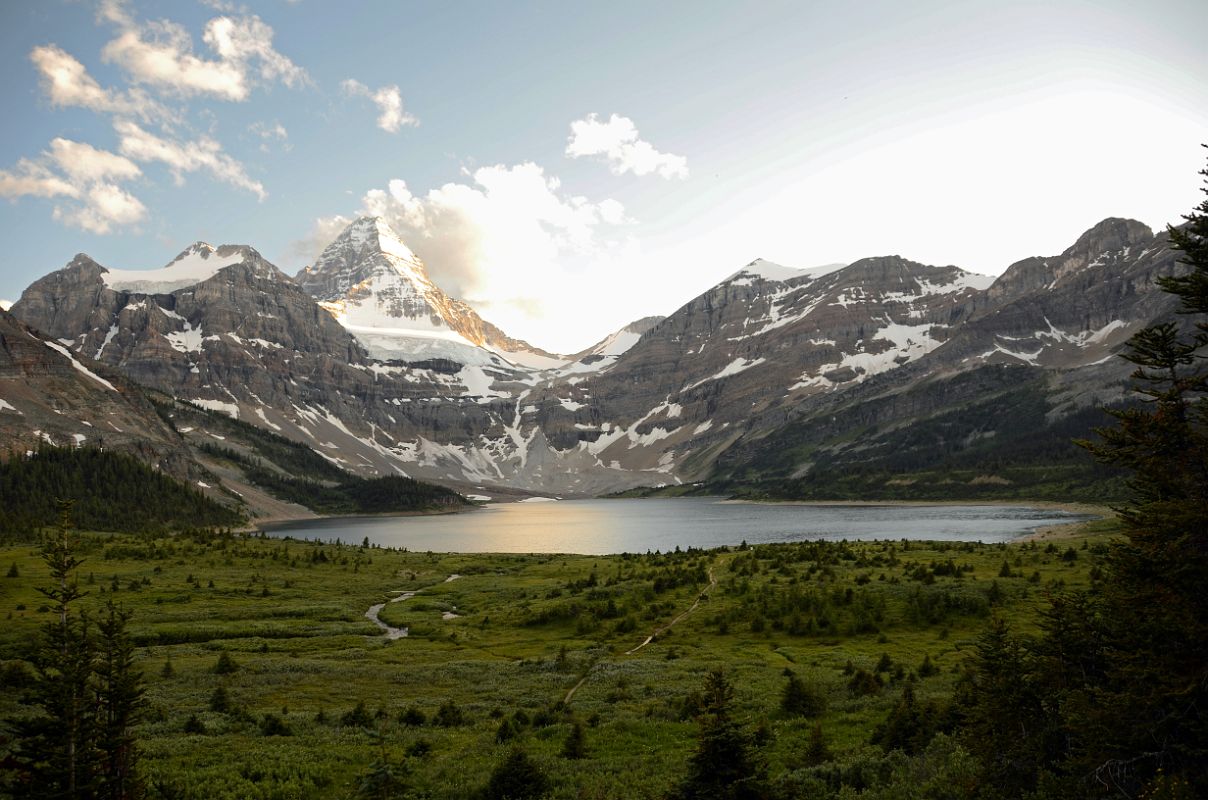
733, 368
113, 329
199, 263
80, 367
264, 418
230, 409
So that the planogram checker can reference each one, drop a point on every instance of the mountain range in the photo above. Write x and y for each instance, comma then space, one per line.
842, 380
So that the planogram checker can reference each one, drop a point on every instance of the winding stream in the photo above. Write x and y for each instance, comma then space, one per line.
392, 633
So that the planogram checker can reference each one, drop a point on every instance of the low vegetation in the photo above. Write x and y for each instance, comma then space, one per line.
264, 678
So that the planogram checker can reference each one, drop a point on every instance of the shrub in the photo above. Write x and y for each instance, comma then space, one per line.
802, 700
518, 777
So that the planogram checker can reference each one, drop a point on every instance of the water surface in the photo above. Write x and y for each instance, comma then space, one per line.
599, 527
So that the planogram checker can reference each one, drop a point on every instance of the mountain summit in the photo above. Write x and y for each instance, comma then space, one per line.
380, 290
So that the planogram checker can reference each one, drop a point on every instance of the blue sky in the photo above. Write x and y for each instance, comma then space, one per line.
568, 167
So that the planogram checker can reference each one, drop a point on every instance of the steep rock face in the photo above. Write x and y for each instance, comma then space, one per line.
1074, 309
49, 395
604, 353
754, 344
237, 328
246, 340
1053, 324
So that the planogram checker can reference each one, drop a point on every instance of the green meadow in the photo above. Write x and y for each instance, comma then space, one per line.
265, 679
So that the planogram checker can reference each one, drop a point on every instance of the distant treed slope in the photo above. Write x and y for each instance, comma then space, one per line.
989, 433
110, 491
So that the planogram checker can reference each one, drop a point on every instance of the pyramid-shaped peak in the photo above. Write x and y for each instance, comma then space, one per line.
373, 233
366, 251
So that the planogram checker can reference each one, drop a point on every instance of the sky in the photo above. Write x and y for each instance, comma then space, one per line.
569, 167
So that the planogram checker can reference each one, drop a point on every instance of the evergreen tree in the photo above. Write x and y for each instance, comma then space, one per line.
384, 780
1004, 719
518, 777
1147, 711
799, 699
56, 745
1110, 699
575, 746
724, 766
119, 702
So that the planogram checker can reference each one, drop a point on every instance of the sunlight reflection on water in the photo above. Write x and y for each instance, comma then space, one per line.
635, 526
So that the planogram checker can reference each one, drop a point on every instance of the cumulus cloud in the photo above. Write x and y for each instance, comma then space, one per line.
389, 102
160, 54
181, 157
495, 240
32, 179
617, 140
105, 206
155, 56
85, 178
84, 163
67, 83
249, 40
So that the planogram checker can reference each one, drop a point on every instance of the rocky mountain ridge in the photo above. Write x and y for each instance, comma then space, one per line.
365, 360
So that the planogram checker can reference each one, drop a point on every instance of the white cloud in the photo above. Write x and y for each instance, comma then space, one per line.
106, 205
497, 241
5, 305
618, 141
87, 180
244, 40
185, 156
67, 83
115, 11
31, 179
389, 101
160, 54
86, 175
84, 163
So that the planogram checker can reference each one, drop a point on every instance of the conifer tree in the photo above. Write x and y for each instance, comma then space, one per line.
57, 744
724, 766
119, 702
1149, 712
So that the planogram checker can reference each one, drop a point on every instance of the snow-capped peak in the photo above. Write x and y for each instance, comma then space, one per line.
196, 263
376, 232
763, 270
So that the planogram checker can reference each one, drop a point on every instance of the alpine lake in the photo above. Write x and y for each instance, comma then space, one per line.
601, 527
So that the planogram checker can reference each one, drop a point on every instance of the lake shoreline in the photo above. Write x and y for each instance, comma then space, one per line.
602, 527
269, 523
1066, 530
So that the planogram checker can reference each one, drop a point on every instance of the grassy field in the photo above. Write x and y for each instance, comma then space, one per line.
317, 693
